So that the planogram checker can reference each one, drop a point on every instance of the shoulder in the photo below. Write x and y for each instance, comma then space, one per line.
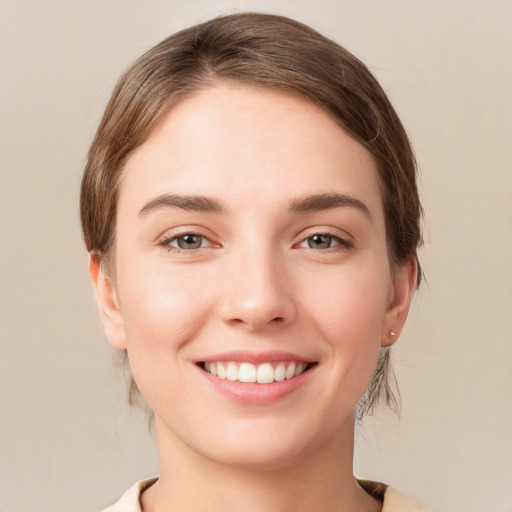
393, 500
129, 501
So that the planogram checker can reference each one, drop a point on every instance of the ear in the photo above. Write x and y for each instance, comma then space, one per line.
403, 285
108, 304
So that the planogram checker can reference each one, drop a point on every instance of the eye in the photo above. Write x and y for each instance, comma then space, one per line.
188, 241
323, 241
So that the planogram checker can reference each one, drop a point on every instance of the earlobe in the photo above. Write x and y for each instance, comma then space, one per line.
108, 305
404, 283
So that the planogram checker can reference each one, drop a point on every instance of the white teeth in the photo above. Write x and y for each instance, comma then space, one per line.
264, 373
300, 368
280, 372
232, 372
221, 371
290, 371
247, 373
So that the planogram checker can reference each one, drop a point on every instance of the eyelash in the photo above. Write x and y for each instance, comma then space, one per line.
340, 243
166, 243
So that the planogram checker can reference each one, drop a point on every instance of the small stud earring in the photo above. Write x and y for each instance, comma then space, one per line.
392, 333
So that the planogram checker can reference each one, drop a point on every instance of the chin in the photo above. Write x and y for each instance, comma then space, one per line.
256, 458
264, 445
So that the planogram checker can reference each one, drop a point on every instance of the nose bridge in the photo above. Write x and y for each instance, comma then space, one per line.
257, 292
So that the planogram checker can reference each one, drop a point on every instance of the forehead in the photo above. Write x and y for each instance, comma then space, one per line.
248, 143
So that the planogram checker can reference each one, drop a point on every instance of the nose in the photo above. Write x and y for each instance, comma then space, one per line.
256, 292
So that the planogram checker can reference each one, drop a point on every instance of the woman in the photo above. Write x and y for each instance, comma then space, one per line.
252, 218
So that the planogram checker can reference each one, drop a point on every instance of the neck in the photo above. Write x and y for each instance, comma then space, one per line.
322, 480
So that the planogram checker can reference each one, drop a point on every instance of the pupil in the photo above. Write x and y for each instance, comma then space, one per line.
189, 242
320, 241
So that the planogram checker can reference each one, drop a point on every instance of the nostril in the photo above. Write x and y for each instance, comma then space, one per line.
257, 323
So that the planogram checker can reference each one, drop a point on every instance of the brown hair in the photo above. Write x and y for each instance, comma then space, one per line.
266, 51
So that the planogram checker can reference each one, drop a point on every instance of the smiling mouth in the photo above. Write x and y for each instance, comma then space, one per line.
265, 373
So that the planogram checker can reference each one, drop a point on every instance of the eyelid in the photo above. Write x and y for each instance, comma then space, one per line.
204, 242
173, 234
345, 240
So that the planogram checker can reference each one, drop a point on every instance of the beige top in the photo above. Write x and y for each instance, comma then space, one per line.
393, 500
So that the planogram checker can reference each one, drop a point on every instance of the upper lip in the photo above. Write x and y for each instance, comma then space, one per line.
255, 357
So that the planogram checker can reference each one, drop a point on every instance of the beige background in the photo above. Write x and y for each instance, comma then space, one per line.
67, 439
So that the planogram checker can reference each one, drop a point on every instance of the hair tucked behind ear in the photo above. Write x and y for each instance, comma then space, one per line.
383, 385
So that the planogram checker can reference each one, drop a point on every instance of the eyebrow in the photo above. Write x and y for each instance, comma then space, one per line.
318, 202
186, 202
304, 204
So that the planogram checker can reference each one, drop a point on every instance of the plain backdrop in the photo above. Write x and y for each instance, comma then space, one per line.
68, 440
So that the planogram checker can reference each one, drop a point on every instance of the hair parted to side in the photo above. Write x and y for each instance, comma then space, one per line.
260, 50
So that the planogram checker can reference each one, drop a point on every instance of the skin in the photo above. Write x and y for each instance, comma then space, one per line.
254, 285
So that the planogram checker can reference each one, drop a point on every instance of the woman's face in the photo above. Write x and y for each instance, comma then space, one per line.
251, 244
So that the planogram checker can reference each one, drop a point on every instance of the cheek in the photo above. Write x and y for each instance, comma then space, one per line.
350, 302
161, 309
349, 312
162, 312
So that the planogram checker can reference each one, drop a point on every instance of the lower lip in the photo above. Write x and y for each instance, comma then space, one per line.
257, 394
